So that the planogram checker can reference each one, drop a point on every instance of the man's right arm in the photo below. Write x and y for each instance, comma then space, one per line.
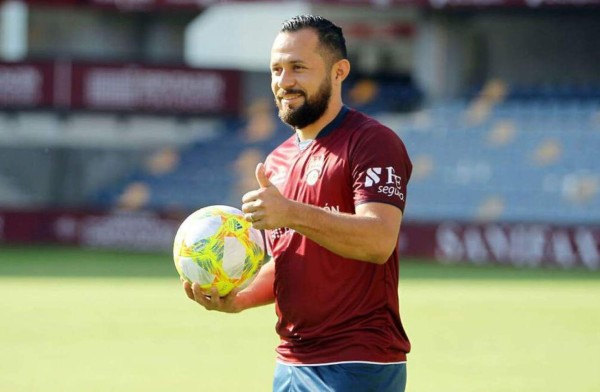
259, 293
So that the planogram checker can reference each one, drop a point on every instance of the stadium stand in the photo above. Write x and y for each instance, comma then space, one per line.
496, 156
523, 160
381, 93
208, 171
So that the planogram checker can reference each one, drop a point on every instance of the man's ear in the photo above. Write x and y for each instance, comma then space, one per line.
341, 70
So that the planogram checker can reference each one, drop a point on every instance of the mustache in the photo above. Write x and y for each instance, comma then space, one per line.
282, 93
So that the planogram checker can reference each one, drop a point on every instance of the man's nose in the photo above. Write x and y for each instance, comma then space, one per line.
286, 80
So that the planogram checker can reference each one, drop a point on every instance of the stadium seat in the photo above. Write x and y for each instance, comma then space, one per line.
532, 159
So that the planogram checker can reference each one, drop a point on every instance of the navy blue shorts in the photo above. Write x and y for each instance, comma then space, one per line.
343, 377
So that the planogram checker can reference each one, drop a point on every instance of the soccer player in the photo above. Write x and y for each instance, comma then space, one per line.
331, 200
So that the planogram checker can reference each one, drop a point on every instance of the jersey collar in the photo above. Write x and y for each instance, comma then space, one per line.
334, 123
327, 129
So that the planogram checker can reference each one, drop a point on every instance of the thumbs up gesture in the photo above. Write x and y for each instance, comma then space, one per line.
265, 207
261, 176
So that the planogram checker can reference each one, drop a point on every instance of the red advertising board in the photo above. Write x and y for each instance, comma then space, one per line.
149, 231
508, 3
26, 85
55, 2
135, 88
119, 87
149, 5
141, 5
519, 245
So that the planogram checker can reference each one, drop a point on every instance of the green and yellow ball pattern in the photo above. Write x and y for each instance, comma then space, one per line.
216, 247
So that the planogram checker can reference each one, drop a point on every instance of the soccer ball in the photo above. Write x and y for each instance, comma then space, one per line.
216, 247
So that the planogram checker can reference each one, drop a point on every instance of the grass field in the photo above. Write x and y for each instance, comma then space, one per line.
76, 320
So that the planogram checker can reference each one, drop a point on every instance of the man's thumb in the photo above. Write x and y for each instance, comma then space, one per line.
261, 176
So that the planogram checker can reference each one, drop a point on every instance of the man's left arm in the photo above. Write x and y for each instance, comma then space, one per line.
369, 235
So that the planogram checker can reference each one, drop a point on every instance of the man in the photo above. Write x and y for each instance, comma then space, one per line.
330, 200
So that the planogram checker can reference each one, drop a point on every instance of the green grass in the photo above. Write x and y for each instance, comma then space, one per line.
76, 320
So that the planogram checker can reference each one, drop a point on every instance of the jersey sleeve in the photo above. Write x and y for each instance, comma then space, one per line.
380, 167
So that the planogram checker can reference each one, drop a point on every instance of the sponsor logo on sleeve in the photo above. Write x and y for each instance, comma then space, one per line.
385, 180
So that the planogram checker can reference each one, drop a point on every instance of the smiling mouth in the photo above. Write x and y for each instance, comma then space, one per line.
289, 95
290, 98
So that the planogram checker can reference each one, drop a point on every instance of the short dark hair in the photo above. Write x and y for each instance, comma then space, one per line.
331, 37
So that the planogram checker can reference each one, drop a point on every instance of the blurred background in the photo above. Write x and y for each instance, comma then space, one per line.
119, 117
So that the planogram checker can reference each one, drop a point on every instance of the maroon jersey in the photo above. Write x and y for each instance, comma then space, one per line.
332, 309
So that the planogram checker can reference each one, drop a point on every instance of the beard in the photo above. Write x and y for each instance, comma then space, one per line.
310, 111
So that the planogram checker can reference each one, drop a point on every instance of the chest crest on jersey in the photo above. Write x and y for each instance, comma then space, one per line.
314, 169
